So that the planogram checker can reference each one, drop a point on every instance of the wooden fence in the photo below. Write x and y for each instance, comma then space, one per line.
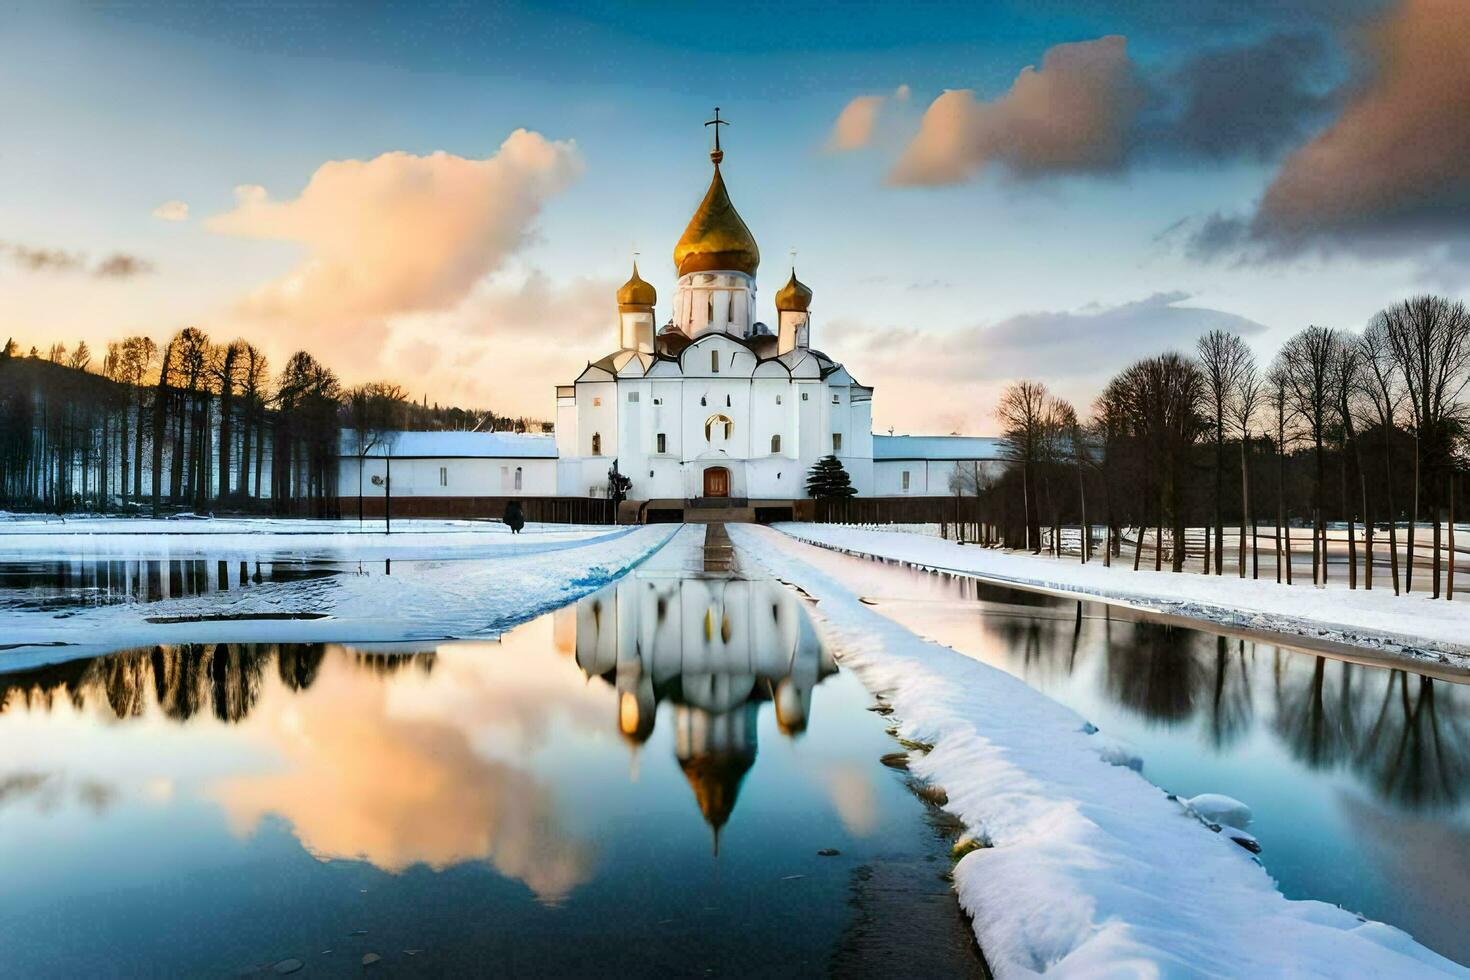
548, 510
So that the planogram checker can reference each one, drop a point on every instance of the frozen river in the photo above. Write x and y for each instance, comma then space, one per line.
650, 779
668, 776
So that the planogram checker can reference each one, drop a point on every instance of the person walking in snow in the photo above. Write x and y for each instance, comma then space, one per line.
514, 519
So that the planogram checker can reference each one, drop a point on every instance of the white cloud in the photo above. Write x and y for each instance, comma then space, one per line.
172, 211
399, 233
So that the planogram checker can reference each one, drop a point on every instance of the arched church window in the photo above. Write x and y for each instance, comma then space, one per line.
710, 313
701, 401
721, 420
714, 361
727, 401
775, 444
597, 443
518, 478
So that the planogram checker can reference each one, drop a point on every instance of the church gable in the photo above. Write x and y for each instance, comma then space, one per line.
594, 372
717, 355
663, 368
772, 369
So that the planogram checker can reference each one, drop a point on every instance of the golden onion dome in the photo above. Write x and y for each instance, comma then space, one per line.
795, 296
716, 238
636, 292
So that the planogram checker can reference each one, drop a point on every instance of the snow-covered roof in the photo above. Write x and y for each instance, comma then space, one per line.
497, 445
938, 447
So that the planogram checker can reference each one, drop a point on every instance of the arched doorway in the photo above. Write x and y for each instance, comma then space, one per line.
716, 482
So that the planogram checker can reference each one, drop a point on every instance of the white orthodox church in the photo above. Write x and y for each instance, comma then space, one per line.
716, 403
714, 407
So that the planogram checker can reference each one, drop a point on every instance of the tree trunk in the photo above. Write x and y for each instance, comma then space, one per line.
1449, 588
1413, 522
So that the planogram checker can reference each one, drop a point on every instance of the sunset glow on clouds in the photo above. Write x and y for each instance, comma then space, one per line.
454, 214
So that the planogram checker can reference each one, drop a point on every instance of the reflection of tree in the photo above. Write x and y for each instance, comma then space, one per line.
1231, 709
235, 673
1318, 726
1414, 753
224, 679
1404, 734
299, 663
1154, 672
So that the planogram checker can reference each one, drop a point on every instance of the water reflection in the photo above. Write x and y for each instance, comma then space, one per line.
714, 648
67, 586
1404, 736
364, 774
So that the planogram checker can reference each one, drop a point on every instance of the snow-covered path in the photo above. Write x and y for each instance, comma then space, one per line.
430, 592
1089, 870
1412, 626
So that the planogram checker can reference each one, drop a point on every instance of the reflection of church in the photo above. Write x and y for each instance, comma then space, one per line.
715, 648
716, 403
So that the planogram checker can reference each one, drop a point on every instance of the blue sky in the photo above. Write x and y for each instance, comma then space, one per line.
113, 110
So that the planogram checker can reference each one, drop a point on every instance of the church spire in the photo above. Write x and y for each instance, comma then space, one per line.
716, 239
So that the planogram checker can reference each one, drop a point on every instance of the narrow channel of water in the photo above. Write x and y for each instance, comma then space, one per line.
1358, 776
643, 782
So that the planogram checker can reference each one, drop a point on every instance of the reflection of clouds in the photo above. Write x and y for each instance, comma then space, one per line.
510, 689
1427, 863
851, 791
363, 782
49, 790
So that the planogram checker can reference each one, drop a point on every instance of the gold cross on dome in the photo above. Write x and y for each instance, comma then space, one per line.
717, 154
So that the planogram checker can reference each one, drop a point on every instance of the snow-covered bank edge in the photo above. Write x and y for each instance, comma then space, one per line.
267, 539
1411, 628
441, 601
1088, 869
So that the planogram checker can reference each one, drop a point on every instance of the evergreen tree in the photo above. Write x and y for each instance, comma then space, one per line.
828, 480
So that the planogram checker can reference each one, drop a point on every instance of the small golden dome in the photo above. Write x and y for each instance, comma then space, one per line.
636, 292
716, 238
795, 296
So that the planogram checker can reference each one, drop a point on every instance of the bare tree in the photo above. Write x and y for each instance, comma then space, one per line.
1383, 394
1278, 395
1429, 338
1222, 357
1022, 414
1245, 401
372, 411
1307, 360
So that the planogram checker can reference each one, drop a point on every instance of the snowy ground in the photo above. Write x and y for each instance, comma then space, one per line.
1412, 626
262, 539
1088, 869
438, 587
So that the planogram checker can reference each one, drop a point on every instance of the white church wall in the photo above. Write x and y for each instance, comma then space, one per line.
450, 476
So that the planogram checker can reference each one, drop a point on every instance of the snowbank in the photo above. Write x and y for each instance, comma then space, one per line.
1089, 870
1412, 626
263, 539
429, 599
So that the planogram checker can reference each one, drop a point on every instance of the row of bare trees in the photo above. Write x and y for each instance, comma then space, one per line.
192, 425
1366, 431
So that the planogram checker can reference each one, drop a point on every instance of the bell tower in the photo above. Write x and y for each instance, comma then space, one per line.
636, 299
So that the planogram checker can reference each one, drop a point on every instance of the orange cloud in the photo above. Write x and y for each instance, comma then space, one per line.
400, 233
1402, 144
858, 120
1073, 114
389, 774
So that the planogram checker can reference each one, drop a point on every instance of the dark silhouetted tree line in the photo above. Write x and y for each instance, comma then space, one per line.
1358, 433
195, 425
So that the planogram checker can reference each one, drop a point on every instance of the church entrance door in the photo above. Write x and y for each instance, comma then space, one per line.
717, 482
